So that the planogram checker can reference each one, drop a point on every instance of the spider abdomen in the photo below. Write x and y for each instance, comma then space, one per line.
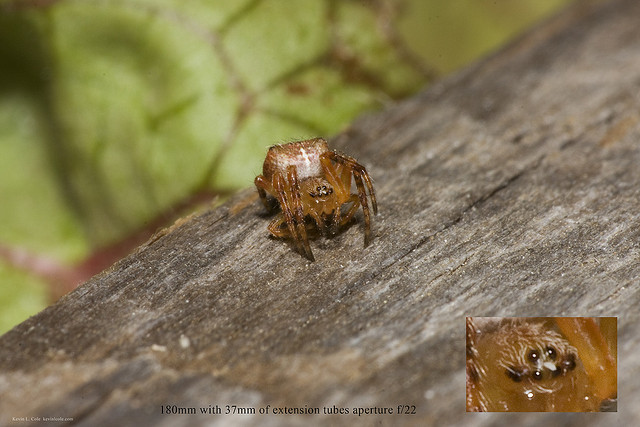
304, 155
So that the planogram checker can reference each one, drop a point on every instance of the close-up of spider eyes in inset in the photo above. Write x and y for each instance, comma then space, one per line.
542, 364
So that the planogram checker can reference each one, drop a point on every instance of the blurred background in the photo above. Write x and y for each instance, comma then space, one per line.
118, 116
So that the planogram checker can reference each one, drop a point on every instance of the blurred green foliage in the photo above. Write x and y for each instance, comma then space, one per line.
113, 111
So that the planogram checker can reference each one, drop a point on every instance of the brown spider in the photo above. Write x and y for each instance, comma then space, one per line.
309, 180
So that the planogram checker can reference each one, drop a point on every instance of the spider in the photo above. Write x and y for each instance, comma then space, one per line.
310, 184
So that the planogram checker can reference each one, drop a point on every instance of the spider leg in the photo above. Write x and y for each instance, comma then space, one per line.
339, 178
335, 221
365, 208
355, 168
318, 220
298, 212
352, 210
264, 187
279, 186
345, 175
585, 334
372, 193
332, 175
361, 178
327, 226
275, 227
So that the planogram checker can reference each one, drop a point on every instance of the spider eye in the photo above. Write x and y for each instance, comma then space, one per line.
533, 355
321, 191
537, 375
551, 352
514, 374
570, 363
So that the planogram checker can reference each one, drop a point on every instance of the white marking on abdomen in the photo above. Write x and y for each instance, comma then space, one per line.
309, 165
306, 158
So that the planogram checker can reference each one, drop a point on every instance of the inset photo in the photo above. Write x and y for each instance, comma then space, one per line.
541, 364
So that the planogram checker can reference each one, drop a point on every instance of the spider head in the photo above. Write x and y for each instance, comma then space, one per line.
317, 195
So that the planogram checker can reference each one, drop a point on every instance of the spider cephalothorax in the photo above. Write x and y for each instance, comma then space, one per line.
311, 183
536, 355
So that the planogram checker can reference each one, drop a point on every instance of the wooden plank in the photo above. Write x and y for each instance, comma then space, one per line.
509, 189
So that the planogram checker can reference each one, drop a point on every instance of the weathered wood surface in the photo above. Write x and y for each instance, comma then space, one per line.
510, 189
